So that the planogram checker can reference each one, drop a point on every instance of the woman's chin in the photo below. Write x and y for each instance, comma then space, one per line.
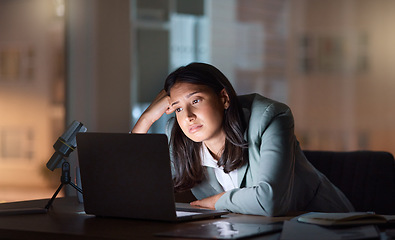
196, 137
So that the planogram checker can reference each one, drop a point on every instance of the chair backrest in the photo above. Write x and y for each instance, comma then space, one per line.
367, 178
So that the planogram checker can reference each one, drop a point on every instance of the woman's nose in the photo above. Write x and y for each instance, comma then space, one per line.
190, 115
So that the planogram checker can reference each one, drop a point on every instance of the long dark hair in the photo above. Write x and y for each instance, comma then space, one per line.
186, 153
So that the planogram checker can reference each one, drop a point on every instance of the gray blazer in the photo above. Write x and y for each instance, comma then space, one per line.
277, 178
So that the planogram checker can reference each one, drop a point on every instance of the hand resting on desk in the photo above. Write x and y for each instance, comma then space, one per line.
207, 202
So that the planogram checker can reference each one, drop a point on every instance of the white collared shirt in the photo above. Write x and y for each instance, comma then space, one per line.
228, 181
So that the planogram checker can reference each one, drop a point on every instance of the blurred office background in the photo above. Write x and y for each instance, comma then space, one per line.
101, 62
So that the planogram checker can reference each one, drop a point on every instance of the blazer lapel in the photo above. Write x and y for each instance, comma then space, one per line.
242, 171
212, 180
208, 187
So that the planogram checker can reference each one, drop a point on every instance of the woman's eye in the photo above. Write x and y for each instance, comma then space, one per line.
195, 101
178, 109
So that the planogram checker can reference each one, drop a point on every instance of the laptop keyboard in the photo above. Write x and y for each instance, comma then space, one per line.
184, 213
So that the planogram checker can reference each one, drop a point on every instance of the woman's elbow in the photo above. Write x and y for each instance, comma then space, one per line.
272, 204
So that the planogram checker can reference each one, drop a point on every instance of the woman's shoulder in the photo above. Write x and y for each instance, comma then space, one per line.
257, 103
260, 112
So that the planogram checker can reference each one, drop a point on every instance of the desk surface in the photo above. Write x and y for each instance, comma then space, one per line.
66, 219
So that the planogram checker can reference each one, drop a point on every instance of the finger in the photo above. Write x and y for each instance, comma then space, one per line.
195, 203
170, 110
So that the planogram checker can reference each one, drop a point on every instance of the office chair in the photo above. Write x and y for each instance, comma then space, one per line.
367, 178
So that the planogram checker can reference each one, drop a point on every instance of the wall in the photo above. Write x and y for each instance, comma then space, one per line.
339, 70
98, 45
98, 66
31, 91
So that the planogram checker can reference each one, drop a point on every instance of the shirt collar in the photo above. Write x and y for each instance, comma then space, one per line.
207, 159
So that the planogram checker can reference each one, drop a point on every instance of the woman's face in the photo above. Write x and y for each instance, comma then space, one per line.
199, 111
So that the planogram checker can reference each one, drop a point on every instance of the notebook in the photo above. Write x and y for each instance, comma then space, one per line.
129, 176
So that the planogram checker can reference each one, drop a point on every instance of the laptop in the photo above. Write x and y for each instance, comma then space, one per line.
129, 176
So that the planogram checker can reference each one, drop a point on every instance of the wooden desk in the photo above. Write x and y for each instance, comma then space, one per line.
66, 220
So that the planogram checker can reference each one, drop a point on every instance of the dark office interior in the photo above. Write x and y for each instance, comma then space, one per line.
102, 62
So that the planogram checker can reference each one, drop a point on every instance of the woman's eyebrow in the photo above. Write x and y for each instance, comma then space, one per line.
187, 96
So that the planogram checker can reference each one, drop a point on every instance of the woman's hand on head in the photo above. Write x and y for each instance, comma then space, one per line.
207, 202
159, 106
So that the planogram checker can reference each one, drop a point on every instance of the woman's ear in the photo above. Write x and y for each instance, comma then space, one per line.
225, 98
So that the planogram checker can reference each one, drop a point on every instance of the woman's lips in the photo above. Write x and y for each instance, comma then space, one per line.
195, 128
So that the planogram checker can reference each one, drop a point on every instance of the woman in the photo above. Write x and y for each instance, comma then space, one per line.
237, 153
